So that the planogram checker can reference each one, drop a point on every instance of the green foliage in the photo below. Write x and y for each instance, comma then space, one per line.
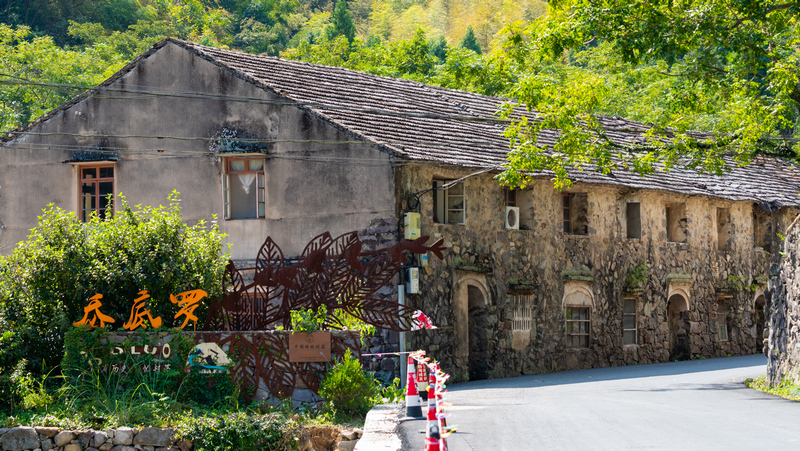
438, 49
347, 390
637, 276
393, 393
27, 58
47, 281
31, 391
307, 320
124, 388
236, 430
470, 42
739, 283
736, 77
786, 389
342, 24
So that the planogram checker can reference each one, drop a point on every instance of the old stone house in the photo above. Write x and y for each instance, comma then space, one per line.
617, 270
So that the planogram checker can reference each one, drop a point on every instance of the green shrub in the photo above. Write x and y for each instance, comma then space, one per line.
347, 390
214, 389
237, 431
48, 279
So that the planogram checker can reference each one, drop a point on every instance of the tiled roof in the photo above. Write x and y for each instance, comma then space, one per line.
420, 122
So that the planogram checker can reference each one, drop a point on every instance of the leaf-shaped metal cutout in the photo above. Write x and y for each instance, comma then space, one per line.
343, 242
319, 242
342, 341
383, 314
268, 262
277, 373
246, 369
311, 374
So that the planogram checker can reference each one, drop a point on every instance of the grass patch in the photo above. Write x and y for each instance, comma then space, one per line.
786, 389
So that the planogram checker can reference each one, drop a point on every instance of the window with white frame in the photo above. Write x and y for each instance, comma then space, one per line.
522, 318
243, 188
448, 202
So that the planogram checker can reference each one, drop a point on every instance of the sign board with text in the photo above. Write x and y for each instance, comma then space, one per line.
310, 347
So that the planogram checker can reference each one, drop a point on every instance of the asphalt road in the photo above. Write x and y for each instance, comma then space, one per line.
693, 405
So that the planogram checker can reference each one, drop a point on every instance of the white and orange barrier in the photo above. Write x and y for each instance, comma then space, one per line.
437, 429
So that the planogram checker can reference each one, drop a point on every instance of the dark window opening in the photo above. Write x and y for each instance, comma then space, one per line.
763, 228
633, 220
511, 197
575, 213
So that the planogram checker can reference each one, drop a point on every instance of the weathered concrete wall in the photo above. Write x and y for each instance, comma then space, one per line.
510, 271
314, 183
783, 356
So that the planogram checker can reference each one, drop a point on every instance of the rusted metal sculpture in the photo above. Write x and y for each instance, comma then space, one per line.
262, 362
330, 272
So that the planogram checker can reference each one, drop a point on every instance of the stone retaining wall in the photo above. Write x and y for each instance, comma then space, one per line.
121, 439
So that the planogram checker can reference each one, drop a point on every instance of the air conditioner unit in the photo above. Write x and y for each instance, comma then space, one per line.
512, 218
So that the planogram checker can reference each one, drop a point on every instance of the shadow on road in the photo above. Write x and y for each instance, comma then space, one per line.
757, 361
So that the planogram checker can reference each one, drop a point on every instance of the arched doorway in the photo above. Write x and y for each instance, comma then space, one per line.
478, 341
761, 322
678, 336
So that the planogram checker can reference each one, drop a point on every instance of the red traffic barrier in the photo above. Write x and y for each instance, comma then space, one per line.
413, 407
432, 432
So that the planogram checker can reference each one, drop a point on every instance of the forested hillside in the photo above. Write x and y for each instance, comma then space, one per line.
81, 42
731, 70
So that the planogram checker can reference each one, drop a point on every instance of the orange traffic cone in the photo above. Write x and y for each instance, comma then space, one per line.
432, 432
413, 407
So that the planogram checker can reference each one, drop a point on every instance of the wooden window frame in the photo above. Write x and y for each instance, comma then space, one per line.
566, 216
448, 199
96, 182
511, 197
722, 331
633, 314
571, 321
261, 205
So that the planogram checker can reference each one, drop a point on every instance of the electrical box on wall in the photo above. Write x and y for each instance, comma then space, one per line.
423, 260
412, 286
411, 226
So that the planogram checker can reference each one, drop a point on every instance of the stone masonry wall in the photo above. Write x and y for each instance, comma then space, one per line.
121, 439
526, 271
783, 361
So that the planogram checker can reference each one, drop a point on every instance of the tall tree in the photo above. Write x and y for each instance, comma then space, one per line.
342, 23
469, 41
739, 57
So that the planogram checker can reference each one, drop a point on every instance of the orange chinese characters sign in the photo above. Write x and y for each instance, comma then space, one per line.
310, 347
138, 312
188, 301
92, 314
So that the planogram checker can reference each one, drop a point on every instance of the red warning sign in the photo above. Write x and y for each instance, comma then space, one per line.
422, 375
